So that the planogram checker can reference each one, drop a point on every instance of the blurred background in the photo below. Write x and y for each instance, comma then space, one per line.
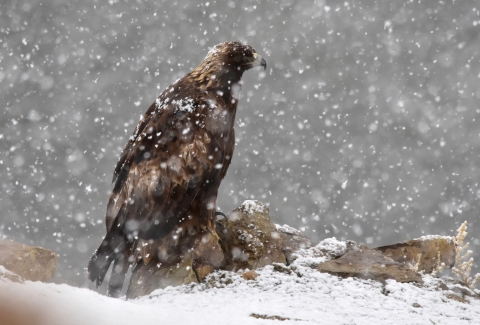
363, 127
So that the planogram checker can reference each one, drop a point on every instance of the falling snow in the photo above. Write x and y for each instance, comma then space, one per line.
363, 127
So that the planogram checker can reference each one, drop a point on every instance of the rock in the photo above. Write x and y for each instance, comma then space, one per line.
457, 298
30, 262
293, 241
246, 240
282, 268
192, 266
399, 261
361, 261
249, 239
427, 248
250, 275
455, 286
465, 291
272, 317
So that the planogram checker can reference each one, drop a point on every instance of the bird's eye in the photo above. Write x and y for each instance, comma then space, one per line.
238, 58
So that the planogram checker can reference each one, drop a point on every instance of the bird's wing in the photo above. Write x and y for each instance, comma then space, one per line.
166, 163
121, 169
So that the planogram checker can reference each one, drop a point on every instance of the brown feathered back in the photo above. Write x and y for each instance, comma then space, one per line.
167, 178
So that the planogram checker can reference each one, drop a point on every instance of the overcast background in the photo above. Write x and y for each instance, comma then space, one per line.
363, 127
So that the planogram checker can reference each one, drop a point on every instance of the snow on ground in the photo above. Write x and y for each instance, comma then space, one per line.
298, 295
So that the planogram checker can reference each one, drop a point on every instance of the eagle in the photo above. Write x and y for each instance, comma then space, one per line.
166, 181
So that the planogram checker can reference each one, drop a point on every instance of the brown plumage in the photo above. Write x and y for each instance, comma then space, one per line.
167, 178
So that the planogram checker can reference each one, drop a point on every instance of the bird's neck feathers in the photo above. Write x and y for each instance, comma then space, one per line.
222, 79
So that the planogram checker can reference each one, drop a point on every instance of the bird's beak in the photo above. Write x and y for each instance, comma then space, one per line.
259, 61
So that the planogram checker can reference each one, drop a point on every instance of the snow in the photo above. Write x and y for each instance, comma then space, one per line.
305, 296
184, 104
322, 252
214, 50
333, 245
252, 206
287, 229
383, 97
449, 239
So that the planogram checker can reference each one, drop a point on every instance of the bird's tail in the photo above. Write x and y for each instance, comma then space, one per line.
114, 247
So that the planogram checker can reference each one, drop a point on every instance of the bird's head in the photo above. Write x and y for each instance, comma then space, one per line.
224, 66
236, 55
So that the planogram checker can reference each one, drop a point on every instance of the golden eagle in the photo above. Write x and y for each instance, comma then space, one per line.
167, 178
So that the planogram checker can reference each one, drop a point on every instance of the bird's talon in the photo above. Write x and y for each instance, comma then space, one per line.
218, 213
